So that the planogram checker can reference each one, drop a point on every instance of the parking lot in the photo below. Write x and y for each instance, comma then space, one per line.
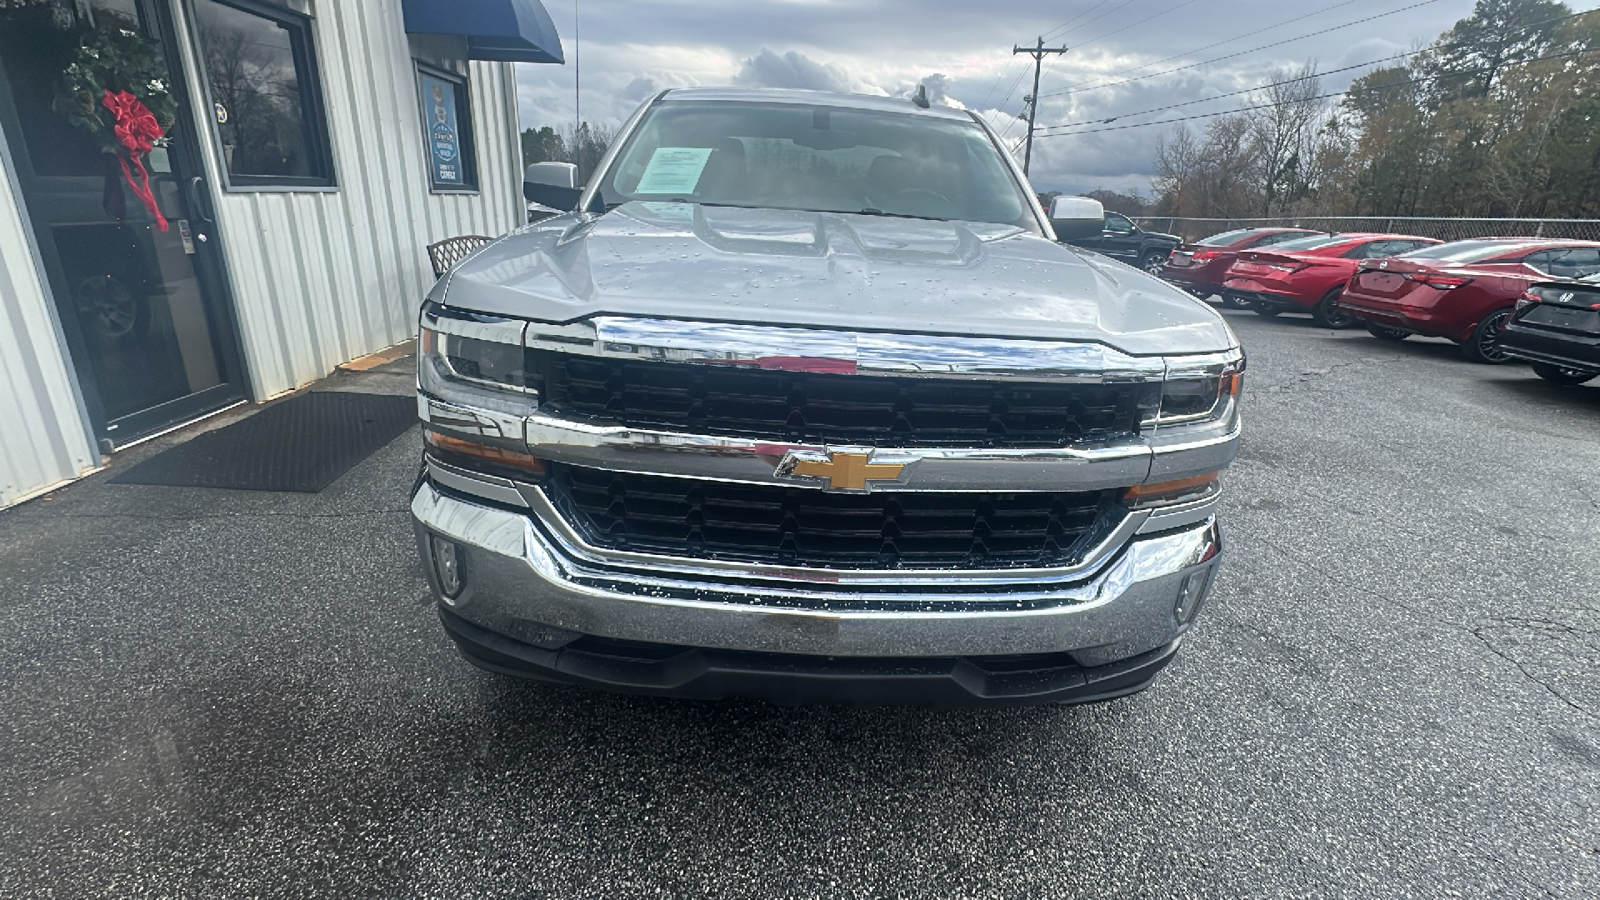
1393, 691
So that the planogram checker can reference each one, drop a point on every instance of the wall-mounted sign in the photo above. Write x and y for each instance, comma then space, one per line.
447, 130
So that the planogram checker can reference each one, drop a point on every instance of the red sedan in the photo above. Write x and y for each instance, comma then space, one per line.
1308, 274
1464, 291
1202, 266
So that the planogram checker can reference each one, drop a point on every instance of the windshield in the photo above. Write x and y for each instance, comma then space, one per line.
817, 158
1463, 251
1311, 243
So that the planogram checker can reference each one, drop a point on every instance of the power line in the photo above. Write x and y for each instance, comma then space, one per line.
1238, 37
1064, 25
1051, 33
1349, 93
1135, 24
1104, 14
1208, 62
1109, 119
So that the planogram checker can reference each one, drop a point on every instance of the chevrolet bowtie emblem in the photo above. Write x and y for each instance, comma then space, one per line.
845, 470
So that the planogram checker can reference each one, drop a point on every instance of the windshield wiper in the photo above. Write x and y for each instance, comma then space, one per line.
870, 211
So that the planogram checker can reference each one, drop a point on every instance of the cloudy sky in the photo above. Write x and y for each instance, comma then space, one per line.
627, 50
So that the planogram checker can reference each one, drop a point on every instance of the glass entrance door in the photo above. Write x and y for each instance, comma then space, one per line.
104, 150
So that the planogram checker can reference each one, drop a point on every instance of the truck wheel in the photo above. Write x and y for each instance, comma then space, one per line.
1385, 333
1265, 309
1560, 375
1234, 301
1327, 313
1484, 345
1153, 262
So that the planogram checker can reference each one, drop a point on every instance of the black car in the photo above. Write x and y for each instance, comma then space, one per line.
1556, 327
1125, 241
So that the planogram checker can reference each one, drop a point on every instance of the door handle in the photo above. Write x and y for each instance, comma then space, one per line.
200, 200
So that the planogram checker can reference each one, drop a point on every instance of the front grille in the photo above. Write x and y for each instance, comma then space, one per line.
810, 407
804, 527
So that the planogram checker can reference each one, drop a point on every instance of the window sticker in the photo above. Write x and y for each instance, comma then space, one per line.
673, 170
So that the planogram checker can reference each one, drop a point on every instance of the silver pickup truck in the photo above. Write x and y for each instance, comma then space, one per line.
802, 401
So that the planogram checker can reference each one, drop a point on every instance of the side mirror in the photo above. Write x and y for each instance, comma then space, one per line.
554, 184
1076, 217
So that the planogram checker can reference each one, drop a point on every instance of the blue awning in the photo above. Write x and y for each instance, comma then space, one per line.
502, 30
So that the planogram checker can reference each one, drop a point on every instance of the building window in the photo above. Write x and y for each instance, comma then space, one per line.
265, 98
447, 130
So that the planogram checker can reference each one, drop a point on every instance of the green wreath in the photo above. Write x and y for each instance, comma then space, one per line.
115, 60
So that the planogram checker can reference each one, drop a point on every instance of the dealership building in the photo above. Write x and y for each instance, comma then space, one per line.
209, 202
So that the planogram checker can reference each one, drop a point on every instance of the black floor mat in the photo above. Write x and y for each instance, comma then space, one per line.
301, 445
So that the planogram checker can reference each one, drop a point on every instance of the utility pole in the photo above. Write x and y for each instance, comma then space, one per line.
1037, 52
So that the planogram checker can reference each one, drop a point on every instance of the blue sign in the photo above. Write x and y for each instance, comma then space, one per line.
444, 132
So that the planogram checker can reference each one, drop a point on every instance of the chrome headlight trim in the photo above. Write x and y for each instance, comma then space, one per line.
446, 336
1215, 375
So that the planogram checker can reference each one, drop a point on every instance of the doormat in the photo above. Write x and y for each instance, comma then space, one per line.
299, 445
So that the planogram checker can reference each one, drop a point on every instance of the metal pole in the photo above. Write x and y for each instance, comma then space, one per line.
1037, 52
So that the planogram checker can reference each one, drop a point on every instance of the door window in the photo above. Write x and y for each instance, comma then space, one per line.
1578, 262
1118, 223
264, 97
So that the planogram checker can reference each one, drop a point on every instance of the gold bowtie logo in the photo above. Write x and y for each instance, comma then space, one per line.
844, 470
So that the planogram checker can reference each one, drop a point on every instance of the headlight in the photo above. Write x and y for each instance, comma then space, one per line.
476, 363
477, 366
1198, 391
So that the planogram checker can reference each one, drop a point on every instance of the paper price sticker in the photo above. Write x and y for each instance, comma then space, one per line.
673, 170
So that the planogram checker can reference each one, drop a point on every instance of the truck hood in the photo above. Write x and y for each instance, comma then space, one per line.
837, 271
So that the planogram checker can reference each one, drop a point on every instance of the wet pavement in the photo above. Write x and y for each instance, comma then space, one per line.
1394, 690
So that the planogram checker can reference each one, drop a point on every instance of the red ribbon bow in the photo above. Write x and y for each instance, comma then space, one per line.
137, 131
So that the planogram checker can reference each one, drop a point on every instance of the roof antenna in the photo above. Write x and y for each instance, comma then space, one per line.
920, 98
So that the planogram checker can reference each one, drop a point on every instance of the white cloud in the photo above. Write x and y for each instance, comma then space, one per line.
962, 52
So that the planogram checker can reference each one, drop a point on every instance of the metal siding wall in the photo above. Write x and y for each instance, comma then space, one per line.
321, 277
44, 435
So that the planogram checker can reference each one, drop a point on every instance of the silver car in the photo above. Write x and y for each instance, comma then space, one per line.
803, 401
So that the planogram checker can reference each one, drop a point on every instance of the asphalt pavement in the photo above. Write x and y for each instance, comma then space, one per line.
1393, 691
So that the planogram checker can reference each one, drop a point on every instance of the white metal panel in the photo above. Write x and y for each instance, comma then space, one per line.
321, 277
45, 437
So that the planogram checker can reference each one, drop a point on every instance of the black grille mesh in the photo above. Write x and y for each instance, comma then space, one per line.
809, 407
806, 527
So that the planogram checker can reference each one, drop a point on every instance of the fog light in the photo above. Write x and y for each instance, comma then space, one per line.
447, 567
1190, 593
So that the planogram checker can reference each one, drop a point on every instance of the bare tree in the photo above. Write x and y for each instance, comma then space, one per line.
1284, 133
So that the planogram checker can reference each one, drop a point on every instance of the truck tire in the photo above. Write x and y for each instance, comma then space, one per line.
1265, 309
1560, 375
1327, 313
1153, 261
1484, 345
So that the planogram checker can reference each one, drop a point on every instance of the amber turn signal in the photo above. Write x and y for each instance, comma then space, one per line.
1167, 493
524, 464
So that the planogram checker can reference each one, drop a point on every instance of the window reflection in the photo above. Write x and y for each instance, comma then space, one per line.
256, 81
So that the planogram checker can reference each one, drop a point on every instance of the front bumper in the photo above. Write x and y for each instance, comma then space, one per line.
529, 604
697, 673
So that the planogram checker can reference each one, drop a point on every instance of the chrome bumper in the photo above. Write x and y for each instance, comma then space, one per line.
523, 583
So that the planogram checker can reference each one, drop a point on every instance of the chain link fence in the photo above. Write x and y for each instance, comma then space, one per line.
1444, 229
